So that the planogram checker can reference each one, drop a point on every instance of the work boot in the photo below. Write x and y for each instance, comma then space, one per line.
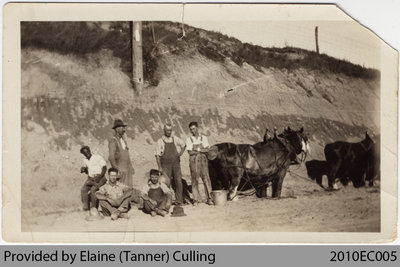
161, 212
124, 215
153, 213
115, 215
123, 209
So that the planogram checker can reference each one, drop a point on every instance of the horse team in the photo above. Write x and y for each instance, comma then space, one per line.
236, 167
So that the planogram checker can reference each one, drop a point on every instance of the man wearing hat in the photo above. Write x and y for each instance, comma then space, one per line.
119, 153
114, 197
156, 195
95, 167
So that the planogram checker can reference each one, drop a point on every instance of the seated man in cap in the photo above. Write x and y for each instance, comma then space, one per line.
156, 195
114, 197
95, 167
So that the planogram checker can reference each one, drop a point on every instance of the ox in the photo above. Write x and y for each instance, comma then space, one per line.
349, 161
374, 162
316, 169
263, 162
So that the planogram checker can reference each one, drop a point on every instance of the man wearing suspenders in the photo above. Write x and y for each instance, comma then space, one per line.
119, 154
197, 145
169, 149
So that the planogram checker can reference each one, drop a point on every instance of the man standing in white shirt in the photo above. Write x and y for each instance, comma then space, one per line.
197, 146
95, 167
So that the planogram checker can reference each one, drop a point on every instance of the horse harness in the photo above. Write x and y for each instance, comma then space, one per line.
242, 166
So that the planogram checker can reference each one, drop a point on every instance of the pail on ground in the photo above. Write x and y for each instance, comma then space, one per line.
220, 197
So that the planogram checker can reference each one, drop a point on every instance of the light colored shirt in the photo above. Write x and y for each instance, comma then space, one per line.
123, 144
160, 147
200, 140
95, 165
150, 185
113, 191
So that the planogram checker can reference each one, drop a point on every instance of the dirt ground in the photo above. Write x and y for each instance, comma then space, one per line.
303, 207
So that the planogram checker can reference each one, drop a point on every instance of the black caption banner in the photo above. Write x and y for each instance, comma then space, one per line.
194, 255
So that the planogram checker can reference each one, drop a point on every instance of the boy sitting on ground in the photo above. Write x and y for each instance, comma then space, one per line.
114, 197
156, 195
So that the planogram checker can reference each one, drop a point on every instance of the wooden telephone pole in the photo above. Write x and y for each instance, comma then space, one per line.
316, 39
137, 56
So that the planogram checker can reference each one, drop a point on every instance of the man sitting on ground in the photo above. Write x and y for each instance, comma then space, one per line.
114, 197
156, 195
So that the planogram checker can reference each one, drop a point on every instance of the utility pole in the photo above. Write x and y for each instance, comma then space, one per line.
316, 39
137, 56
152, 31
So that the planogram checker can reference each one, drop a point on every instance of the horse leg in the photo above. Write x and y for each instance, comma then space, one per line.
262, 191
236, 175
332, 176
344, 180
278, 181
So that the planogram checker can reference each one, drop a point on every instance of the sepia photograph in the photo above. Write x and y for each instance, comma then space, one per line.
239, 125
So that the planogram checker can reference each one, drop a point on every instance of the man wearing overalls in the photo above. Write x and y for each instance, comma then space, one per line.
197, 146
156, 195
169, 149
119, 154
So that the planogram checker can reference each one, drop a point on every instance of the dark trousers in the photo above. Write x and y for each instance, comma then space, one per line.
88, 192
173, 171
107, 209
164, 204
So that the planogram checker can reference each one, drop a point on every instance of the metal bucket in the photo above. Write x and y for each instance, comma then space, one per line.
220, 197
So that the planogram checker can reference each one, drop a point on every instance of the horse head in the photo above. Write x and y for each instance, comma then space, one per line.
297, 139
367, 143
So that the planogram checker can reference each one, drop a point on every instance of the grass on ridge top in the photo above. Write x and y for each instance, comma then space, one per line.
81, 38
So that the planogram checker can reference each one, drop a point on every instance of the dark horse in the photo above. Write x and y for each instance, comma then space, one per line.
262, 162
350, 161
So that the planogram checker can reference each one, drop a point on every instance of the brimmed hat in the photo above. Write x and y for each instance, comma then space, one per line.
119, 123
177, 212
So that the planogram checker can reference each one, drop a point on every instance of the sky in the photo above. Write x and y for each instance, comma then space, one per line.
340, 39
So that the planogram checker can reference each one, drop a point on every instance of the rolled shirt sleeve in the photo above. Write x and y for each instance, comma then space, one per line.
160, 147
102, 190
100, 161
189, 144
165, 188
125, 187
205, 142
179, 144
